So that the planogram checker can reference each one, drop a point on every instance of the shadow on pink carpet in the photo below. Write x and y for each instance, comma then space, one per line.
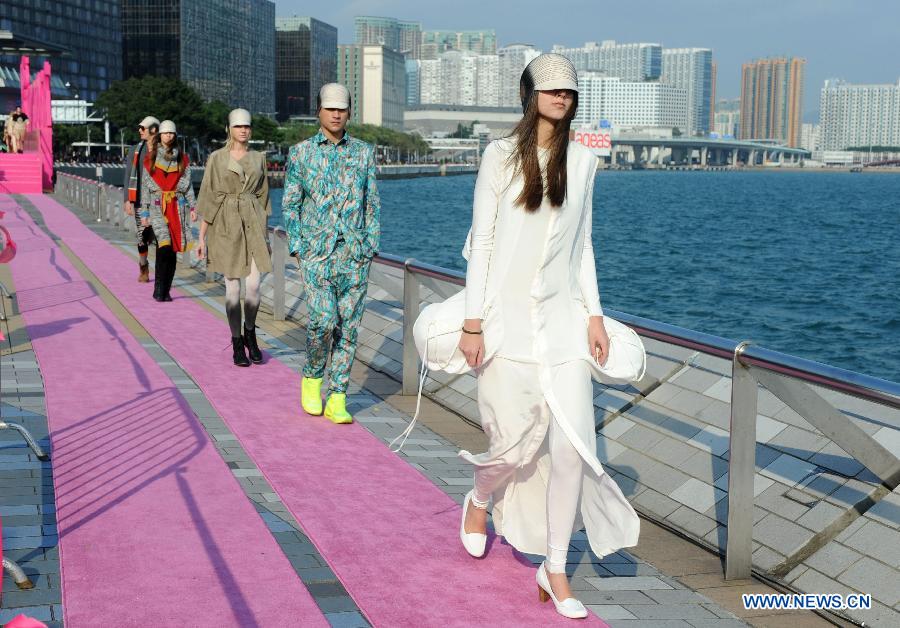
388, 533
153, 528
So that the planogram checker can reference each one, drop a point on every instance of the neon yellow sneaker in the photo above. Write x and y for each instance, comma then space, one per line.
336, 409
311, 395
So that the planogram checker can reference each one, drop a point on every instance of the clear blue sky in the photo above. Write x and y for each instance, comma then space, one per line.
851, 39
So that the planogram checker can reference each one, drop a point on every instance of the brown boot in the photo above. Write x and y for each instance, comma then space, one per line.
144, 277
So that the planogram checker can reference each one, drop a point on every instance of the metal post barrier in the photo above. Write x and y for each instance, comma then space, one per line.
41, 455
409, 383
279, 257
19, 577
100, 200
741, 469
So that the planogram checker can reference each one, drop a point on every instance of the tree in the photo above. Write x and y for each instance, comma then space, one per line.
266, 130
127, 102
676, 132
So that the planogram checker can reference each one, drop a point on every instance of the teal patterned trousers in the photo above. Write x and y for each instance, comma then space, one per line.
335, 299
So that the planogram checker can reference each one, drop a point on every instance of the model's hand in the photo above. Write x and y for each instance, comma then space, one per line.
145, 222
129, 208
598, 341
201, 249
472, 345
193, 215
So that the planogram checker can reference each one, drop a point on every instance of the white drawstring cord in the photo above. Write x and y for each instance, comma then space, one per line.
423, 374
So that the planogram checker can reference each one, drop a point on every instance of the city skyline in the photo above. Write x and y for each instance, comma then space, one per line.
838, 40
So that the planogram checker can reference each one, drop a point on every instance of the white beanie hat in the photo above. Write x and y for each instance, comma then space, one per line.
334, 96
551, 71
148, 122
239, 117
167, 126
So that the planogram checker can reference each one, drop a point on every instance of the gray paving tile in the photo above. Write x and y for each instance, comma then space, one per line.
610, 611
780, 534
671, 611
875, 539
636, 583
871, 576
833, 559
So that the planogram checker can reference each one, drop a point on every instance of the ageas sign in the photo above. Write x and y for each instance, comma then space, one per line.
598, 140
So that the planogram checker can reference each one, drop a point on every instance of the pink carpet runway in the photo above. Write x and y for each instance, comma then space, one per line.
153, 528
388, 533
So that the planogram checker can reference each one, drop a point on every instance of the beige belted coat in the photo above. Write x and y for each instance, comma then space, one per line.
234, 201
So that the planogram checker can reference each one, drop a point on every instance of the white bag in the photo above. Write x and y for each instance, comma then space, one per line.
438, 330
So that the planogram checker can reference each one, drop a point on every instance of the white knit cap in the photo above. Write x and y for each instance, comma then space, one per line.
167, 126
239, 117
551, 71
334, 96
148, 122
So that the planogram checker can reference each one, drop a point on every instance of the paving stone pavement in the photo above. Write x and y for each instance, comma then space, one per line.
661, 600
26, 493
619, 587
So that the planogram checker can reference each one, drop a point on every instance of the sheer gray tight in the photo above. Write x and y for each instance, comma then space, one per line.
251, 301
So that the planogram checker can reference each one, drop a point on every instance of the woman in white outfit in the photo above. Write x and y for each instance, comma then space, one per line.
531, 274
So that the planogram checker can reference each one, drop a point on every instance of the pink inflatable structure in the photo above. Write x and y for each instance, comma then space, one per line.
36, 104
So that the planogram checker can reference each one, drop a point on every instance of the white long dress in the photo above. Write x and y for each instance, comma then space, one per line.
536, 272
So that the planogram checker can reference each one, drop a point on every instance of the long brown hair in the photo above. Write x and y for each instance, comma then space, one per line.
525, 156
154, 143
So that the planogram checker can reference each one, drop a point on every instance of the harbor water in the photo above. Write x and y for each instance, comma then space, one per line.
807, 263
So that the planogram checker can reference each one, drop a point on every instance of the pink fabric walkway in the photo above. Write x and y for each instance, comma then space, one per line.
388, 533
153, 528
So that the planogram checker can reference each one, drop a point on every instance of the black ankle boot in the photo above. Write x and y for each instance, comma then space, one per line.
252, 346
158, 279
240, 356
171, 261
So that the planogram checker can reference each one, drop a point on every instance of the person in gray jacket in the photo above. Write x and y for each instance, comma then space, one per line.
148, 127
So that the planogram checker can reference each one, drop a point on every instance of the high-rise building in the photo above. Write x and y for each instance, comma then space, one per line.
855, 116
90, 34
398, 35
413, 74
434, 43
809, 137
513, 59
225, 49
487, 81
629, 104
728, 117
772, 99
460, 78
305, 59
630, 62
712, 97
376, 78
430, 82
691, 69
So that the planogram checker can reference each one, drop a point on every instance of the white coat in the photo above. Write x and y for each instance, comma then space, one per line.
564, 294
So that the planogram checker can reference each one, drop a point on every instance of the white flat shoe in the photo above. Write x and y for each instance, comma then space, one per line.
569, 607
474, 542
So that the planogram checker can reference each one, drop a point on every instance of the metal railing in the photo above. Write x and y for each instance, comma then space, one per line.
787, 377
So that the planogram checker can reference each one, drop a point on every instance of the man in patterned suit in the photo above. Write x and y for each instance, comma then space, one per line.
331, 213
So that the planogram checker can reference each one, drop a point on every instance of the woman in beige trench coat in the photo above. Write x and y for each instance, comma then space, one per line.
234, 204
531, 272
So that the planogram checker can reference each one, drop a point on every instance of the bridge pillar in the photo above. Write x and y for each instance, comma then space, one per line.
704, 151
659, 155
752, 160
781, 158
734, 156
